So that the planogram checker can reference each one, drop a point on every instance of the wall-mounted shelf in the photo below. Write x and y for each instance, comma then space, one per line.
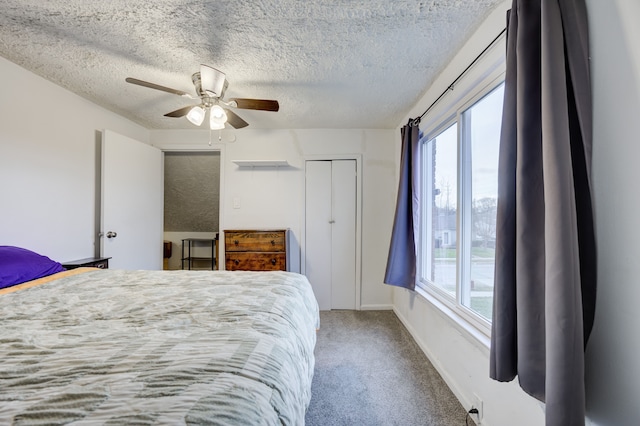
261, 163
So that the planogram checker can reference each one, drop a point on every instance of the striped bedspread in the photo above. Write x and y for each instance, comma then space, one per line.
158, 347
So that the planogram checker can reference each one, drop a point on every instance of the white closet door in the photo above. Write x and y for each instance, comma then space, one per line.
318, 230
330, 232
343, 234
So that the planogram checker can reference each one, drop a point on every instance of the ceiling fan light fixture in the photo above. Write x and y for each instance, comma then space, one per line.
196, 115
210, 85
217, 117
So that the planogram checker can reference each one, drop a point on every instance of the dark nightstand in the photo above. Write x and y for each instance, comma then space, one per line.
92, 262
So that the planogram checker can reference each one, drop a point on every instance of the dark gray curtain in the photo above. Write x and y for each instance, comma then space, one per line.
545, 281
401, 263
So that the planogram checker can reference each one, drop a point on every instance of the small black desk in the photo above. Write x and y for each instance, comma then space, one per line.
189, 243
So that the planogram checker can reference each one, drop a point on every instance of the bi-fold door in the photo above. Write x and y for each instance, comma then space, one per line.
330, 232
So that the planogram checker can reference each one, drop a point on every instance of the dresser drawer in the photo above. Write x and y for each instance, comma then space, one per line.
270, 241
256, 261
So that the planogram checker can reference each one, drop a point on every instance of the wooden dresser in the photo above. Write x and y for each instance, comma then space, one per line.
256, 249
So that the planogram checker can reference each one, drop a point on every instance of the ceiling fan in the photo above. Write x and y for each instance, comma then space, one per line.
210, 85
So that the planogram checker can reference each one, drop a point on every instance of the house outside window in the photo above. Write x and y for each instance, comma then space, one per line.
459, 192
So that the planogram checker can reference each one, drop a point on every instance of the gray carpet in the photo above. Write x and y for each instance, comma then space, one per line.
370, 371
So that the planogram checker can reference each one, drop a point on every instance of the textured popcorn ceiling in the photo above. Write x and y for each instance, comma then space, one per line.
330, 64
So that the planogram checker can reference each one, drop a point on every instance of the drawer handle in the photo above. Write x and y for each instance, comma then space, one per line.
273, 261
237, 262
273, 243
236, 242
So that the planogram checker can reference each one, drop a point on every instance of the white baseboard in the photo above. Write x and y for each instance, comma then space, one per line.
376, 307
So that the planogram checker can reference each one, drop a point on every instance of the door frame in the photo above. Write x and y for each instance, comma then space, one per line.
303, 236
215, 147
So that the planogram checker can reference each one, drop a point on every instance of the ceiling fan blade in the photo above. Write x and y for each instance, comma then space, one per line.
260, 104
180, 112
234, 120
157, 87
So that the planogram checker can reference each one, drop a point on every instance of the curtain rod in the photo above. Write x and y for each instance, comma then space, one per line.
416, 121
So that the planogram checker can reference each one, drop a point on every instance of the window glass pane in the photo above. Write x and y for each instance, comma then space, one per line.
484, 118
439, 253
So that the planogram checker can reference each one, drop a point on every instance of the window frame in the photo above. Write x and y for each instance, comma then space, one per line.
447, 115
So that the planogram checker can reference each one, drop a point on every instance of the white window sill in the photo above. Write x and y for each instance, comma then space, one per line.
473, 334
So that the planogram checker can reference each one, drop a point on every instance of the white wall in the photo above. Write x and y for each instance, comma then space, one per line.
462, 357
613, 370
273, 197
48, 164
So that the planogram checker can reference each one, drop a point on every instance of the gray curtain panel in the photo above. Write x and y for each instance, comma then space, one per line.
545, 280
401, 262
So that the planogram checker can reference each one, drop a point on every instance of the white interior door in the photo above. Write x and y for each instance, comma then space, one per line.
343, 234
318, 230
330, 232
131, 203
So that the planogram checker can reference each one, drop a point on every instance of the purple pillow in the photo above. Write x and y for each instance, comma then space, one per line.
18, 265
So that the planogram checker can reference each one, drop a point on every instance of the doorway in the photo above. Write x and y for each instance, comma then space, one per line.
191, 205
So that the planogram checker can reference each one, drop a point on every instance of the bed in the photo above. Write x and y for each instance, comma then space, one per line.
112, 347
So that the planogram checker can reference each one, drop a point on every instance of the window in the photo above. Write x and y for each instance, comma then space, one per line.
459, 193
